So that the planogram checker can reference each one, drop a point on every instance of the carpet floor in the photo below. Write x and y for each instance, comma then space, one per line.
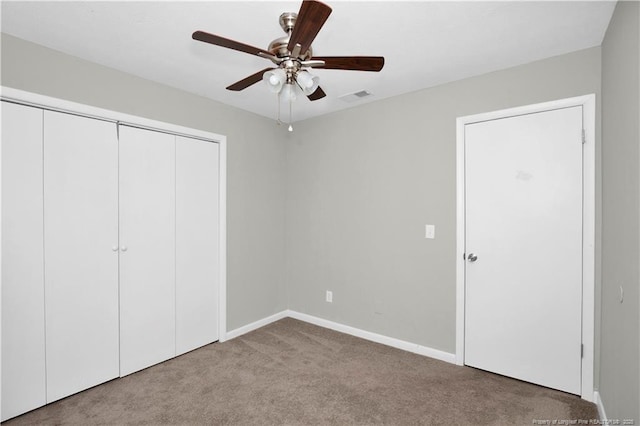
294, 373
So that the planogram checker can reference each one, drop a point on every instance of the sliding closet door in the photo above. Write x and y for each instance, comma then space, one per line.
147, 248
23, 364
196, 243
81, 264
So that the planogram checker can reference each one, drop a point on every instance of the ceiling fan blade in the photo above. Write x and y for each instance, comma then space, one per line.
318, 94
311, 18
355, 63
228, 43
246, 82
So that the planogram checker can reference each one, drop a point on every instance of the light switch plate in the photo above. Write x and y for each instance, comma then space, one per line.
430, 231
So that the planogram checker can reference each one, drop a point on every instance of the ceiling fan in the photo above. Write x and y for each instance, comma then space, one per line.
293, 56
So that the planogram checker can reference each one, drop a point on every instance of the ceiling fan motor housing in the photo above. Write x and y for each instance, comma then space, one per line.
278, 47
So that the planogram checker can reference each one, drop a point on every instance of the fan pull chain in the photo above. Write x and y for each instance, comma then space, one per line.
290, 126
278, 118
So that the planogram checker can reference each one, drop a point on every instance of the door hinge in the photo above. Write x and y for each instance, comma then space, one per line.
464, 256
584, 137
581, 350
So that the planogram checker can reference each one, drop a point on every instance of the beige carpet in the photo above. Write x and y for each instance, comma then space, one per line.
295, 373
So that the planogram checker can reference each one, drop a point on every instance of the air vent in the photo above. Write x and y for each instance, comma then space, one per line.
352, 97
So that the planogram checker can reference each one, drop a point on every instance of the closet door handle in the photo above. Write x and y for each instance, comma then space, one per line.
114, 248
123, 248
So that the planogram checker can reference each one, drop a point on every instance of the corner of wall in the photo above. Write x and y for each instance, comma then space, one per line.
619, 386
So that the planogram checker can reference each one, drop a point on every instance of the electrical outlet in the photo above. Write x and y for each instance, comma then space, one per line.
329, 296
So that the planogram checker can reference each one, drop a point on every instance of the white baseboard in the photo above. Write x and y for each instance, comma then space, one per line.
601, 413
374, 337
367, 335
254, 325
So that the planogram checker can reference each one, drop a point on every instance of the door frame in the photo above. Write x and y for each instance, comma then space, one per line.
588, 103
55, 104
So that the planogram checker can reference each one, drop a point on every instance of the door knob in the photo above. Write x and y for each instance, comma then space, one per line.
123, 248
472, 257
114, 248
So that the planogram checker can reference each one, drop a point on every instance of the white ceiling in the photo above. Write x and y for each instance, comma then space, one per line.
424, 43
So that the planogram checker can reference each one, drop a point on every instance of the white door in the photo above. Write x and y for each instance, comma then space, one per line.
81, 266
23, 363
196, 243
147, 248
523, 197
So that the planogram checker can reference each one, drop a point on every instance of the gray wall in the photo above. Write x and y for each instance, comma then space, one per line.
255, 163
620, 356
362, 183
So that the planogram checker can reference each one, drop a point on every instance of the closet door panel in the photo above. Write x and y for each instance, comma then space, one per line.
81, 266
147, 245
196, 243
23, 350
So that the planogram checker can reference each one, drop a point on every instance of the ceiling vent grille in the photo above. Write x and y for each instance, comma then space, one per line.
356, 96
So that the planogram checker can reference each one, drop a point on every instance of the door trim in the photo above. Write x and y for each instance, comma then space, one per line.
60, 105
588, 103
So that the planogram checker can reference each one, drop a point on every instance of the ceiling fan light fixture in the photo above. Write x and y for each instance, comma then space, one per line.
308, 82
275, 79
292, 56
289, 92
